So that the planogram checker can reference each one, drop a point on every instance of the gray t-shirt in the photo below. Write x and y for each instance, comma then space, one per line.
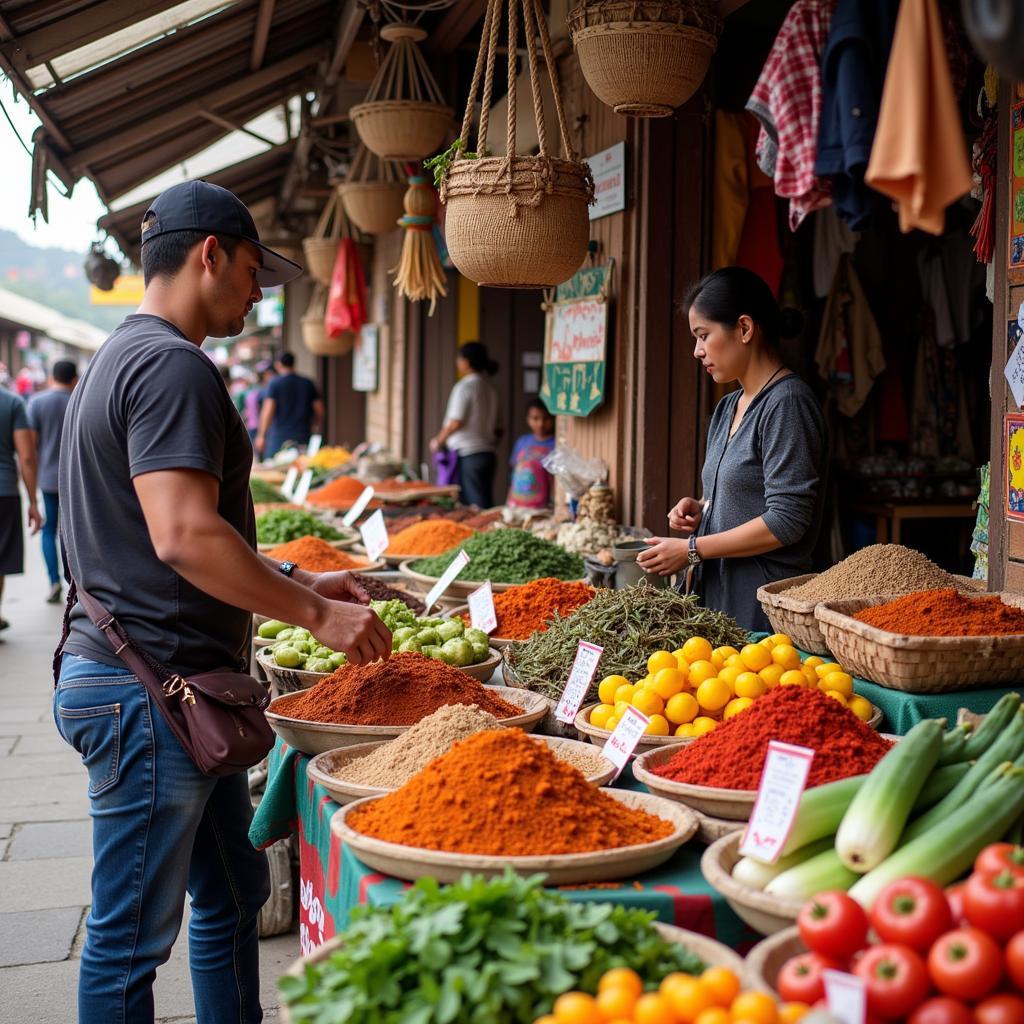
46, 416
12, 417
474, 402
150, 400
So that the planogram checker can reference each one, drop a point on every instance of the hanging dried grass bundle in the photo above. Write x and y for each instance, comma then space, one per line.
419, 274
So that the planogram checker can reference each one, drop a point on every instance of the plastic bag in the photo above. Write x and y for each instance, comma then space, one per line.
575, 473
346, 301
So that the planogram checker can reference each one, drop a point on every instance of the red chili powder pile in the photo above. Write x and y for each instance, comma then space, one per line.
945, 612
523, 611
732, 755
316, 555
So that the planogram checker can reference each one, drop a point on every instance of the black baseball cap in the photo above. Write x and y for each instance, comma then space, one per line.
203, 206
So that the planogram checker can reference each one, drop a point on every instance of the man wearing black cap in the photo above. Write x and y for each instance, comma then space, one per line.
159, 528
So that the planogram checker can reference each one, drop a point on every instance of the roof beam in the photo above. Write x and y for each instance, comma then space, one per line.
264, 19
233, 126
455, 26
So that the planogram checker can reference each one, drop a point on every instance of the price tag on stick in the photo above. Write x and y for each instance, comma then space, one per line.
357, 509
846, 995
481, 609
303, 489
459, 562
375, 536
314, 445
783, 779
622, 742
290, 479
580, 677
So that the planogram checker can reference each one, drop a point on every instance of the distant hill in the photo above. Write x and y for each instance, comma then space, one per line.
54, 277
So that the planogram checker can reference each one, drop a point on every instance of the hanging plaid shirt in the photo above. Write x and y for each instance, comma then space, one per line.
787, 102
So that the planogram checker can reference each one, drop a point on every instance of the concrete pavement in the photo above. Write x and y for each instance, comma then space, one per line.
45, 847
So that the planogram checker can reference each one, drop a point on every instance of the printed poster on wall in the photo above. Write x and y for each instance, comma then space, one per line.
1016, 261
1013, 452
364, 358
575, 343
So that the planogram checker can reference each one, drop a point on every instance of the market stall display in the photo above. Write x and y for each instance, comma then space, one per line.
378, 590
264, 493
281, 525
530, 608
448, 640
317, 555
426, 538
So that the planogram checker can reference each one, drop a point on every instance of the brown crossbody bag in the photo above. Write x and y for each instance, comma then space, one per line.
216, 716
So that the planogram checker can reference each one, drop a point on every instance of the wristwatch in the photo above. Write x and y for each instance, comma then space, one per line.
693, 558
287, 568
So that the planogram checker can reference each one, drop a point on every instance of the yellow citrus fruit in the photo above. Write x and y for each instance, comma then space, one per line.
722, 984
814, 661
794, 677
725, 653
827, 667
713, 694
648, 702
620, 707
653, 1008
611, 722
622, 977
730, 675
790, 1013
606, 690
658, 726
861, 707
836, 695
778, 640
786, 656
755, 657
576, 1008
548, 1018
601, 714
661, 659
766, 642
682, 708
685, 995
713, 1015
616, 1003
735, 661
771, 674
810, 675
703, 725
625, 692
680, 657
701, 670
668, 682
841, 681
750, 684
736, 705
697, 649
685, 731
754, 1006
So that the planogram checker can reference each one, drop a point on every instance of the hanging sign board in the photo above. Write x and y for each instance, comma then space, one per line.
1016, 254
1013, 462
609, 170
364, 358
576, 343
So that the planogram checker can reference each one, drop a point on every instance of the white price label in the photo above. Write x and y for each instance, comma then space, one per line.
375, 536
459, 562
783, 779
580, 676
290, 479
846, 995
314, 445
303, 489
622, 742
481, 609
358, 508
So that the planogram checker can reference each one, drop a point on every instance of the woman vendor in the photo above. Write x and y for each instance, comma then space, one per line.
763, 478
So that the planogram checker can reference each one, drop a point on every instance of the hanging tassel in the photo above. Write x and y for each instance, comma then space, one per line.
419, 275
983, 229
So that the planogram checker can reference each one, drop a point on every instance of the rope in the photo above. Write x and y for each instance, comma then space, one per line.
467, 119
545, 42
485, 103
513, 37
530, 29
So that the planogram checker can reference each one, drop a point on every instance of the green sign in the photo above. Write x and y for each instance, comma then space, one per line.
575, 344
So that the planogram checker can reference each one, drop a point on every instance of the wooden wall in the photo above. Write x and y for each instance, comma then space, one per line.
385, 407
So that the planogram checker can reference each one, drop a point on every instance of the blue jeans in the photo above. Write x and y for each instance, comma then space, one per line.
160, 828
51, 510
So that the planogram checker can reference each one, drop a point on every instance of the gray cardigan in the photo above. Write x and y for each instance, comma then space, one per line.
774, 467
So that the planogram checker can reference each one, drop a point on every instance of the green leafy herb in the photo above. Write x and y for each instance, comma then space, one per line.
264, 493
477, 952
280, 525
439, 164
507, 556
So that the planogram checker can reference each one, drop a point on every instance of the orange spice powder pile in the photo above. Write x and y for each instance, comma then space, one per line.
316, 555
429, 537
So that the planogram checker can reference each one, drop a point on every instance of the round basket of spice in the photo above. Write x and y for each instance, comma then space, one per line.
599, 737
316, 555
498, 801
425, 539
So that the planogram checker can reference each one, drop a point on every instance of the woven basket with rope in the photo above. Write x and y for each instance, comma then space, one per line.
314, 333
644, 57
516, 221
321, 248
372, 193
404, 116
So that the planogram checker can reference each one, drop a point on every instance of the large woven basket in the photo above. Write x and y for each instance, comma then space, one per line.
399, 129
521, 224
919, 664
794, 618
638, 56
320, 255
373, 206
314, 331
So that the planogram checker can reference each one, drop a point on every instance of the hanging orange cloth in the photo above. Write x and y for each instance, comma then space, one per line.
919, 157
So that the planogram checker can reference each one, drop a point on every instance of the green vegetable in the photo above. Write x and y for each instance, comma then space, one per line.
819, 874
425, 636
954, 745
756, 874
871, 827
280, 525
399, 636
450, 629
476, 952
338, 659
413, 645
319, 665
428, 637
264, 493
992, 726
941, 781
288, 657
457, 652
271, 629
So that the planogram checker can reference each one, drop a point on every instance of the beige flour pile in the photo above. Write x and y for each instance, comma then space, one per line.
881, 569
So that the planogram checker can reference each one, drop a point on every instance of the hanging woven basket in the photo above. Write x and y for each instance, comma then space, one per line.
321, 248
644, 57
372, 193
404, 116
314, 333
516, 221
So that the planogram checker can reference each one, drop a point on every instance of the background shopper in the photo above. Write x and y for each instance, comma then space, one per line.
531, 484
292, 409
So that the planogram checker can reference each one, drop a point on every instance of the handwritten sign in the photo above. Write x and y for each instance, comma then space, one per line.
357, 509
303, 489
375, 536
846, 995
314, 445
580, 676
290, 479
622, 742
481, 609
459, 562
783, 779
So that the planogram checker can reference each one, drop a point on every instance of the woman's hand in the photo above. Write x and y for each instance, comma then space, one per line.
686, 516
664, 555
435, 445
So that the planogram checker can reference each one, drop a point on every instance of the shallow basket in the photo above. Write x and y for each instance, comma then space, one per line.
286, 680
530, 232
769, 956
599, 737
764, 913
373, 206
402, 129
919, 664
639, 67
730, 804
459, 587
320, 255
792, 617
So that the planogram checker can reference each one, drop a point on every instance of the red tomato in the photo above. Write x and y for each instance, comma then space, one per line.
896, 979
1015, 960
955, 896
1000, 857
833, 924
942, 1010
965, 963
995, 903
911, 911
801, 981
1004, 1008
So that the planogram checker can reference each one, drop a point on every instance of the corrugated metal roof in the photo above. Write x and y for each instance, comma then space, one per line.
26, 313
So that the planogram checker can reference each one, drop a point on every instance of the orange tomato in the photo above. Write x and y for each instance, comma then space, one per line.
722, 984
622, 977
616, 1002
790, 1013
686, 995
576, 1008
713, 1015
653, 1008
756, 1007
